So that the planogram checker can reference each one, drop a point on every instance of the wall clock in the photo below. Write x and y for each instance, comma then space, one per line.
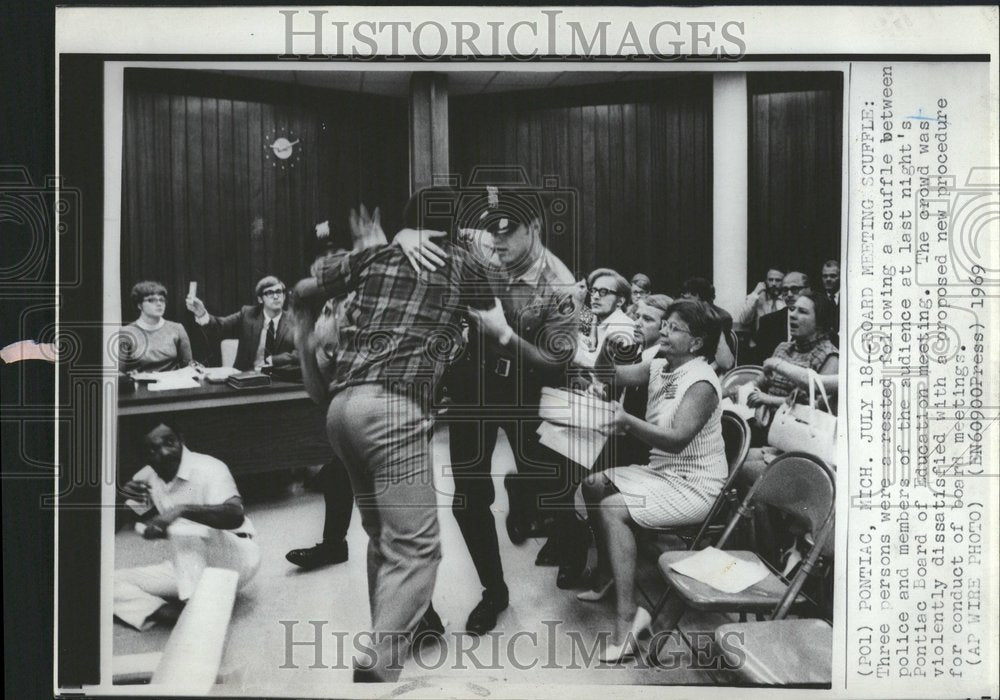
283, 150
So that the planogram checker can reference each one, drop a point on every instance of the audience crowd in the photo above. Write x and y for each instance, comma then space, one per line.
660, 361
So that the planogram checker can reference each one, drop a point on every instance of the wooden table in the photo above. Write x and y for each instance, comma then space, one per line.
251, 430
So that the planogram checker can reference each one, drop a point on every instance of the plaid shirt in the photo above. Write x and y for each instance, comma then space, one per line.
400, 328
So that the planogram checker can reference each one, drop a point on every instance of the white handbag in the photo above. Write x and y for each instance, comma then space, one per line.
797, 427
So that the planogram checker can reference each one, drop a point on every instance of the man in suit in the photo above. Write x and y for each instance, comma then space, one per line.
772, 328
266, 334
831, 281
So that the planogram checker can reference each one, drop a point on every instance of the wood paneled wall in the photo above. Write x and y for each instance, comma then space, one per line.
795, 146
637, 156
205, 200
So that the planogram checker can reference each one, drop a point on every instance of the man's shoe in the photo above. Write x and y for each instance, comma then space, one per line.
515, 529
321, 555
549, 554
429, 626
484, 616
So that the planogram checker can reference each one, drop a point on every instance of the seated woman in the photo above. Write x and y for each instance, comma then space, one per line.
151, 343
812, 319
687, 466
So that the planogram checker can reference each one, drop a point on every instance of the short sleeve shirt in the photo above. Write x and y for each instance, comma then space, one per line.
201, 480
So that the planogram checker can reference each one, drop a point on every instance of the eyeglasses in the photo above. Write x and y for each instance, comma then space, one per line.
671, 327
273, 293
154, 298
602, 292
791, 290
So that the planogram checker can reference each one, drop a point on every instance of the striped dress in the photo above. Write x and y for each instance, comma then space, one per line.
676, 489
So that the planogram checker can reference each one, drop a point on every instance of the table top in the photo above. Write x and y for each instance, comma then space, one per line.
206, 396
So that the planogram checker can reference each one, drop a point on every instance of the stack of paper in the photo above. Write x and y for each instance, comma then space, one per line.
183, 378
573, 424
581, 446
721, 570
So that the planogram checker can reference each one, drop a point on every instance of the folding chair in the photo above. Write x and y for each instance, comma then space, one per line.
798, 484
736, 436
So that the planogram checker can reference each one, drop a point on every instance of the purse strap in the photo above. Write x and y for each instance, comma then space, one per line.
814, 381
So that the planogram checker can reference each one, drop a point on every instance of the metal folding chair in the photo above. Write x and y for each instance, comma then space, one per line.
736, 436
796, 483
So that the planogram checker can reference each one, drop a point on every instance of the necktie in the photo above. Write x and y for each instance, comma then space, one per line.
269, 342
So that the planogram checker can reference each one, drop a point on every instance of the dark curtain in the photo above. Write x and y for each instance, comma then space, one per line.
204, 199
795, 144
636, 158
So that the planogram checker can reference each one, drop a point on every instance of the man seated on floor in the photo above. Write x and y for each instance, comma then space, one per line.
198, 508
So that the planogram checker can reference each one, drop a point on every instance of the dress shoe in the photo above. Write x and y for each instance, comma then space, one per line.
429, 626
549, 554
516, 530
614, 653
597, 593
484, 616
322, 554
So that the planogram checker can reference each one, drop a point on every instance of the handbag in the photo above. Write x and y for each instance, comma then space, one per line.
801, 428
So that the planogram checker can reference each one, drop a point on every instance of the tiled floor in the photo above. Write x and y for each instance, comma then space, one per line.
544, 637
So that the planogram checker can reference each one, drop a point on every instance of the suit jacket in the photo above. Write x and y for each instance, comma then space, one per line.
246, 326
772, 330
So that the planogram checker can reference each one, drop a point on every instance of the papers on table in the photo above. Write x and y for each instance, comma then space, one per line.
721, 570
183, 378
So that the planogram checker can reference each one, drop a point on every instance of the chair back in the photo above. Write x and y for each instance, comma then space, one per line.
736, 436
734, 344
803, 486
227, 348
740, 375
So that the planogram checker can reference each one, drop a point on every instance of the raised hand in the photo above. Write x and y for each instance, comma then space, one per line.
366, 231
195, 306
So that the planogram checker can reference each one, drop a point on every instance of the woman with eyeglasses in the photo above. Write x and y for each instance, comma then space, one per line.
687, 468
151, 343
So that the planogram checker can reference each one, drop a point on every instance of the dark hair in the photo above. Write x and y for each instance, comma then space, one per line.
701, 288
143, 289
641, 281
154, 421
702, 321
826, 312
623, 288
265, 282
831, 263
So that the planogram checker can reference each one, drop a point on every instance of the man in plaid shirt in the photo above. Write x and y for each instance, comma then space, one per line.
401, 327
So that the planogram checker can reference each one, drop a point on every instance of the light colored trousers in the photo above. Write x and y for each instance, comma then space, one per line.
141, 591
383, 438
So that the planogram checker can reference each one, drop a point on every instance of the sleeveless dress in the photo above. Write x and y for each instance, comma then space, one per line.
676, 489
